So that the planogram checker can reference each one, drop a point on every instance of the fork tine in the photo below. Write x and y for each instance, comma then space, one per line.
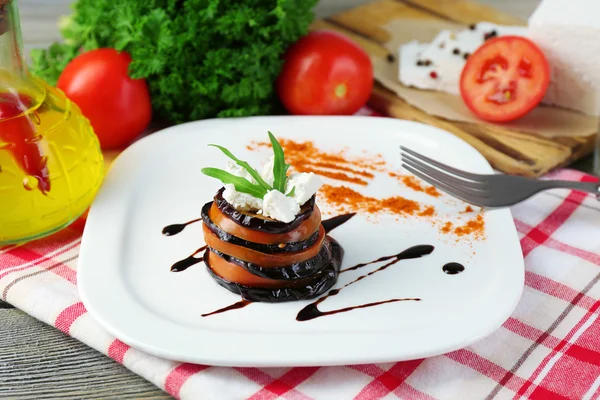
447, 168
442, 176
459, 194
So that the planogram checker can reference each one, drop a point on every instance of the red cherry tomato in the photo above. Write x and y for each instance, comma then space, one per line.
325, 73
505, 79
117, 106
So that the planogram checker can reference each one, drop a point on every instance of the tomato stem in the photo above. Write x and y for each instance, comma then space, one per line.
341, 90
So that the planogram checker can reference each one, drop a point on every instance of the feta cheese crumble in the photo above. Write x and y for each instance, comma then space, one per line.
241, 201
439, 64
305, 185
275, 204
279, 206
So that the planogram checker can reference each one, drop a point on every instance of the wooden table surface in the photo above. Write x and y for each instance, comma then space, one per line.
36, 360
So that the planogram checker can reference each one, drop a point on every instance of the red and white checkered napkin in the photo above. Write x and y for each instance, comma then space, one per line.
548, 349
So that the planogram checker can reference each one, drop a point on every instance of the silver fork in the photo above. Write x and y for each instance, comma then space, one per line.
484, 190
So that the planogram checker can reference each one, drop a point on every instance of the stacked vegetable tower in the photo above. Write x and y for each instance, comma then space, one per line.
264, 233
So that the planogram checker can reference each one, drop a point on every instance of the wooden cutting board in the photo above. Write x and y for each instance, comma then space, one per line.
507, 150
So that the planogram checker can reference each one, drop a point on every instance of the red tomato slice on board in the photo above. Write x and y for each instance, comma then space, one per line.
504, 79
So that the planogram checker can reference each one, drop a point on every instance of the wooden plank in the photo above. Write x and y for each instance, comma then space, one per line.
37, 361
522, 153
465, 11
390, 104
369, 19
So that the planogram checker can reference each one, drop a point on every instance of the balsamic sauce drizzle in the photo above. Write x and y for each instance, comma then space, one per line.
187, 262
234, 306
332, 223
312, 311
172, 230
453, 268
328, 224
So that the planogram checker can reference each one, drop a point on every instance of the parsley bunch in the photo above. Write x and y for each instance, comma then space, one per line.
201, 58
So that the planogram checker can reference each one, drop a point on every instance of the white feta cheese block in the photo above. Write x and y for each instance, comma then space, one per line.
279, 206
438, 65
305, 185
241, 201
568, 32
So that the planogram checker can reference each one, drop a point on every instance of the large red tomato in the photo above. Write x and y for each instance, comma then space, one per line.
325, 73
505, 79
117, 106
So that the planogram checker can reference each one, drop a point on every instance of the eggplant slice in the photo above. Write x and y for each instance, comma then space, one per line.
263, 248
259, 223
321, 281
299, 270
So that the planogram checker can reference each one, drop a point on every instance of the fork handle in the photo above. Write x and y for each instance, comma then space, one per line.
590, 187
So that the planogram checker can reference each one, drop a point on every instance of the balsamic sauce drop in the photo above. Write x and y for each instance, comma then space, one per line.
187, 262
234, 306
453, 268
312, 311
172, 230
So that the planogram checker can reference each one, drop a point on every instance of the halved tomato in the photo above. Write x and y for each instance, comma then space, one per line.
505, 78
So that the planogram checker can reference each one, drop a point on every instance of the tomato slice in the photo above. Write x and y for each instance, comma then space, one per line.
302, 232
504, 79
234, 273
263, 259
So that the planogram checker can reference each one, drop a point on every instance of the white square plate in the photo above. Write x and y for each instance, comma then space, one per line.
124, 269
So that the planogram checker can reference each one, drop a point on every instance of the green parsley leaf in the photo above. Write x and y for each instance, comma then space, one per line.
279, 166
241, 184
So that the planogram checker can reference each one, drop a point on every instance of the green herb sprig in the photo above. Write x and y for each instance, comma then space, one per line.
279, 165
241, 184
260, 188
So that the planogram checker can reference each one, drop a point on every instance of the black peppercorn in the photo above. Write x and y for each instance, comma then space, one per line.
472, 27
456, 51
466, 55
427, 63
391, 58
419, 63
490, 35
